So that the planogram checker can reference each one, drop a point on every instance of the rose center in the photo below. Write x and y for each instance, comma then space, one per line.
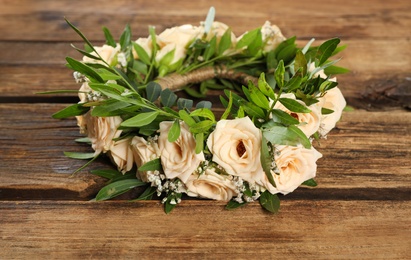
241, 149
294, 115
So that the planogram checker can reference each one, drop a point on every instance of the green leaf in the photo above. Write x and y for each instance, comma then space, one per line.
81, 35
199, 142
125, 38
290, 135
174, 132
326, 50
266, 161
338, 50
83, 69
183, 103
209, 19
232, 204
248, 38
279, 74
141, 119
168, 98
110, 108
264, 87
284, 118
73, 110
326, 111
204, 104
81, 156
142, 54
334, 70
147, 194
258, 98
107, 75
109, 174
310, 183
85, 53
186, 118
225, 42
300, 63
228, 106
252, 110
153, 165
117, 188
294, 106
83, 140
153, 91
204, 112
294, 83
211, 48
348, 108
109, 38
201, 127
270, 202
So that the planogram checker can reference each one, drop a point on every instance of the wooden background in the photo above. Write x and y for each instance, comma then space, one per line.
361, 208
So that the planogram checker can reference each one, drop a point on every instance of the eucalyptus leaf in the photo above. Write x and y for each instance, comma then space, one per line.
72, 110
153, 91
183, 103
117, 188
204, 104
270, 202
168, 98
140, 119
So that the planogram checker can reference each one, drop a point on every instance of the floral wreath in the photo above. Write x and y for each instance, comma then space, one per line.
278, 98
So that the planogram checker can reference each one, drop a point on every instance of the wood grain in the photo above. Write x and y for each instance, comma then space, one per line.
202, 230
366, 157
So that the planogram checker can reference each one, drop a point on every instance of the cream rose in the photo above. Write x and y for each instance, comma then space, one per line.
146, 44
121, 155
272, 36
178, 158
177, 39
235, 145
107, 52
309, 122
211, 185
295, 164
334, 100
100, 130
144, 152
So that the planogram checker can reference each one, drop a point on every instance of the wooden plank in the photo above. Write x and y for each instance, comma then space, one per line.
372, 82
43, 20
366, 157
303, 229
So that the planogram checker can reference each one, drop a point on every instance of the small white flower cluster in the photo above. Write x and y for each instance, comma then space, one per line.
170, 187
274, 153
202, 167
79, 78
241, 190
122, 59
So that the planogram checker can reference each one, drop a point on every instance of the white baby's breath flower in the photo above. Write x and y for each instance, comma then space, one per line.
272, 36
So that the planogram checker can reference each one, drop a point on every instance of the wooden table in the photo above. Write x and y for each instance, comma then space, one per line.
361, 208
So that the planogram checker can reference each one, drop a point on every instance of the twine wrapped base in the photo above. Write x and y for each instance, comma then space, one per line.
176, 81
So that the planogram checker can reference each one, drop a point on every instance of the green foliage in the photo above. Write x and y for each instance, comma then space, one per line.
270, 202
